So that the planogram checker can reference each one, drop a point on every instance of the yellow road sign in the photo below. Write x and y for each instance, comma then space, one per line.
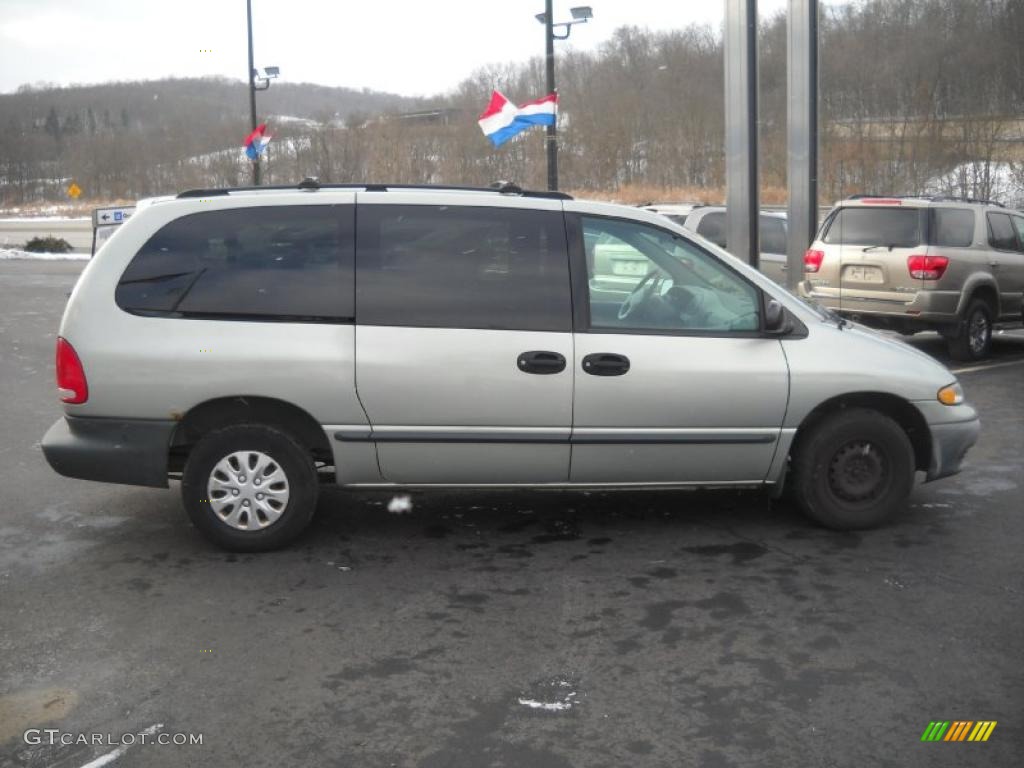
74, 190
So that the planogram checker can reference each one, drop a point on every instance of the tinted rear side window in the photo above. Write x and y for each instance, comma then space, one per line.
773, 234
282, 262
712, 226
952, 227
462, 267
898, 227
1001, 233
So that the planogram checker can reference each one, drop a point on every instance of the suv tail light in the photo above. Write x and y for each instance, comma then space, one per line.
927, 267
71, 384
812, 260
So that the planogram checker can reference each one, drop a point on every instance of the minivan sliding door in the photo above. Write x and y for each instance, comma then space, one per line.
464, 353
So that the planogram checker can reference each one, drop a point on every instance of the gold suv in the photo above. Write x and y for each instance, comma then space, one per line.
911, 264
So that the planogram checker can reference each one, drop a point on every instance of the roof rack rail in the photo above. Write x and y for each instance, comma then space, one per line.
863, 196
930, 198
955, 199
311, 184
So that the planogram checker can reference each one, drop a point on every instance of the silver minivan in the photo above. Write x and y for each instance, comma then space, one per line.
256, 343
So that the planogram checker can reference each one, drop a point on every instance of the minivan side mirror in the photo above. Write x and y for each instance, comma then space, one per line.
776, 321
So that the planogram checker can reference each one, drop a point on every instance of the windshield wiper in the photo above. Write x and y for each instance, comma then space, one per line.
872, 247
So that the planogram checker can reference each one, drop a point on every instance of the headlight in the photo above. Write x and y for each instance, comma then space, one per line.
951, 395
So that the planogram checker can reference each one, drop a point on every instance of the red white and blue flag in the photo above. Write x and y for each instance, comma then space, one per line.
256, 142
502, 119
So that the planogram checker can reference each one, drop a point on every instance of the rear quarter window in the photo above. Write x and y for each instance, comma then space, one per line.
773, 234
712, 227
952, 227
897, 227
282, 262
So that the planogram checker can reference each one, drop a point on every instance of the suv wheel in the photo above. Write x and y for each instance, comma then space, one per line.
249, 488
854, 470
974, 337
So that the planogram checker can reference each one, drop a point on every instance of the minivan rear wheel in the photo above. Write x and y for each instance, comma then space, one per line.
854, 470
249, 488
973, 339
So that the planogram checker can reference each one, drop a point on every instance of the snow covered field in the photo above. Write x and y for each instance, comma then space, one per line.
13, 253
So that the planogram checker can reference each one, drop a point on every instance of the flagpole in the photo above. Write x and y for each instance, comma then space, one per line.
252, 93
549, 54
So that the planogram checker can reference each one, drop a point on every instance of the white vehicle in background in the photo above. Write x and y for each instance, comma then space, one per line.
676, 212
708, 221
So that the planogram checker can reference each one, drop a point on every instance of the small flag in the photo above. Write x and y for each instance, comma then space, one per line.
502, 119
256, 142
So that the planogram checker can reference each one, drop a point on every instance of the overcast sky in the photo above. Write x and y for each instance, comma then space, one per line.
410, 47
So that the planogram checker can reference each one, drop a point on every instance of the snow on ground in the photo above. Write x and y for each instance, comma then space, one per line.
34, 219
7, 254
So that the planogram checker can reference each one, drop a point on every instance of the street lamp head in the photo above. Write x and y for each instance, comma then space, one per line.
271, 72
542, 18
582, 12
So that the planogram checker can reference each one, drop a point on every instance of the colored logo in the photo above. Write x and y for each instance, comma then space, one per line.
958, 730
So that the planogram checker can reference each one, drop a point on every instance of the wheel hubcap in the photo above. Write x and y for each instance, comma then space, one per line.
858, 471
978, 331
248, 490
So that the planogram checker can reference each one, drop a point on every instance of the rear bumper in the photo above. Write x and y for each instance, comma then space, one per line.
924, 307
110, 450
950, 443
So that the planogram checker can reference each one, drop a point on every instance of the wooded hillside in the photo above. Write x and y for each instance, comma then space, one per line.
916, 96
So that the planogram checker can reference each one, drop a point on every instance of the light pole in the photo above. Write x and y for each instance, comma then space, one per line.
580, 15
269, 73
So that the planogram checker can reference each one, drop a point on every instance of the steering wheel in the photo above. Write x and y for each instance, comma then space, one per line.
638, 296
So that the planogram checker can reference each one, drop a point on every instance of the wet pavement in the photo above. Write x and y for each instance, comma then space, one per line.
542, 629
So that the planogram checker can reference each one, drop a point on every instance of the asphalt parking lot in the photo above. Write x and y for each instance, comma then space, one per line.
504, 629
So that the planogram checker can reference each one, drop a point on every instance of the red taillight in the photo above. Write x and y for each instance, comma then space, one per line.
71, 385
881, 201
927, 267
812, 260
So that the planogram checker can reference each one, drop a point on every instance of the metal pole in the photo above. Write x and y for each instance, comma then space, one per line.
252, 93
741, 155
549, 56
802, 139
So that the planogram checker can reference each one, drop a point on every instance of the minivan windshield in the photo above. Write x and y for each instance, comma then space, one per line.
893, 227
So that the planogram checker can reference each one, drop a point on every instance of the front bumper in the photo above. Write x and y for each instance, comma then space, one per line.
950, 443
133, 452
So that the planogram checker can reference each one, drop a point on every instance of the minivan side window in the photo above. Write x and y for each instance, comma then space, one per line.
291, 263
712, 227
773, 234
643, 278
1001, 234
431, 266
952, 227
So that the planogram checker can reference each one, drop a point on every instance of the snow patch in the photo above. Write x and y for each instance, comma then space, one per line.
547, 706
13, 253
400, 505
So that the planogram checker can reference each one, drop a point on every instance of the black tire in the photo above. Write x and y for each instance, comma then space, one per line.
300, 481
973, 339
853, 470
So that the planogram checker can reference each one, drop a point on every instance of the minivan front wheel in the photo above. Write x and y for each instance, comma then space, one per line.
973, 339
249, 488
854, 470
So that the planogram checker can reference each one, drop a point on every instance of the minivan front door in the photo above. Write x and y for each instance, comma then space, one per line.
464, 356
675, 383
